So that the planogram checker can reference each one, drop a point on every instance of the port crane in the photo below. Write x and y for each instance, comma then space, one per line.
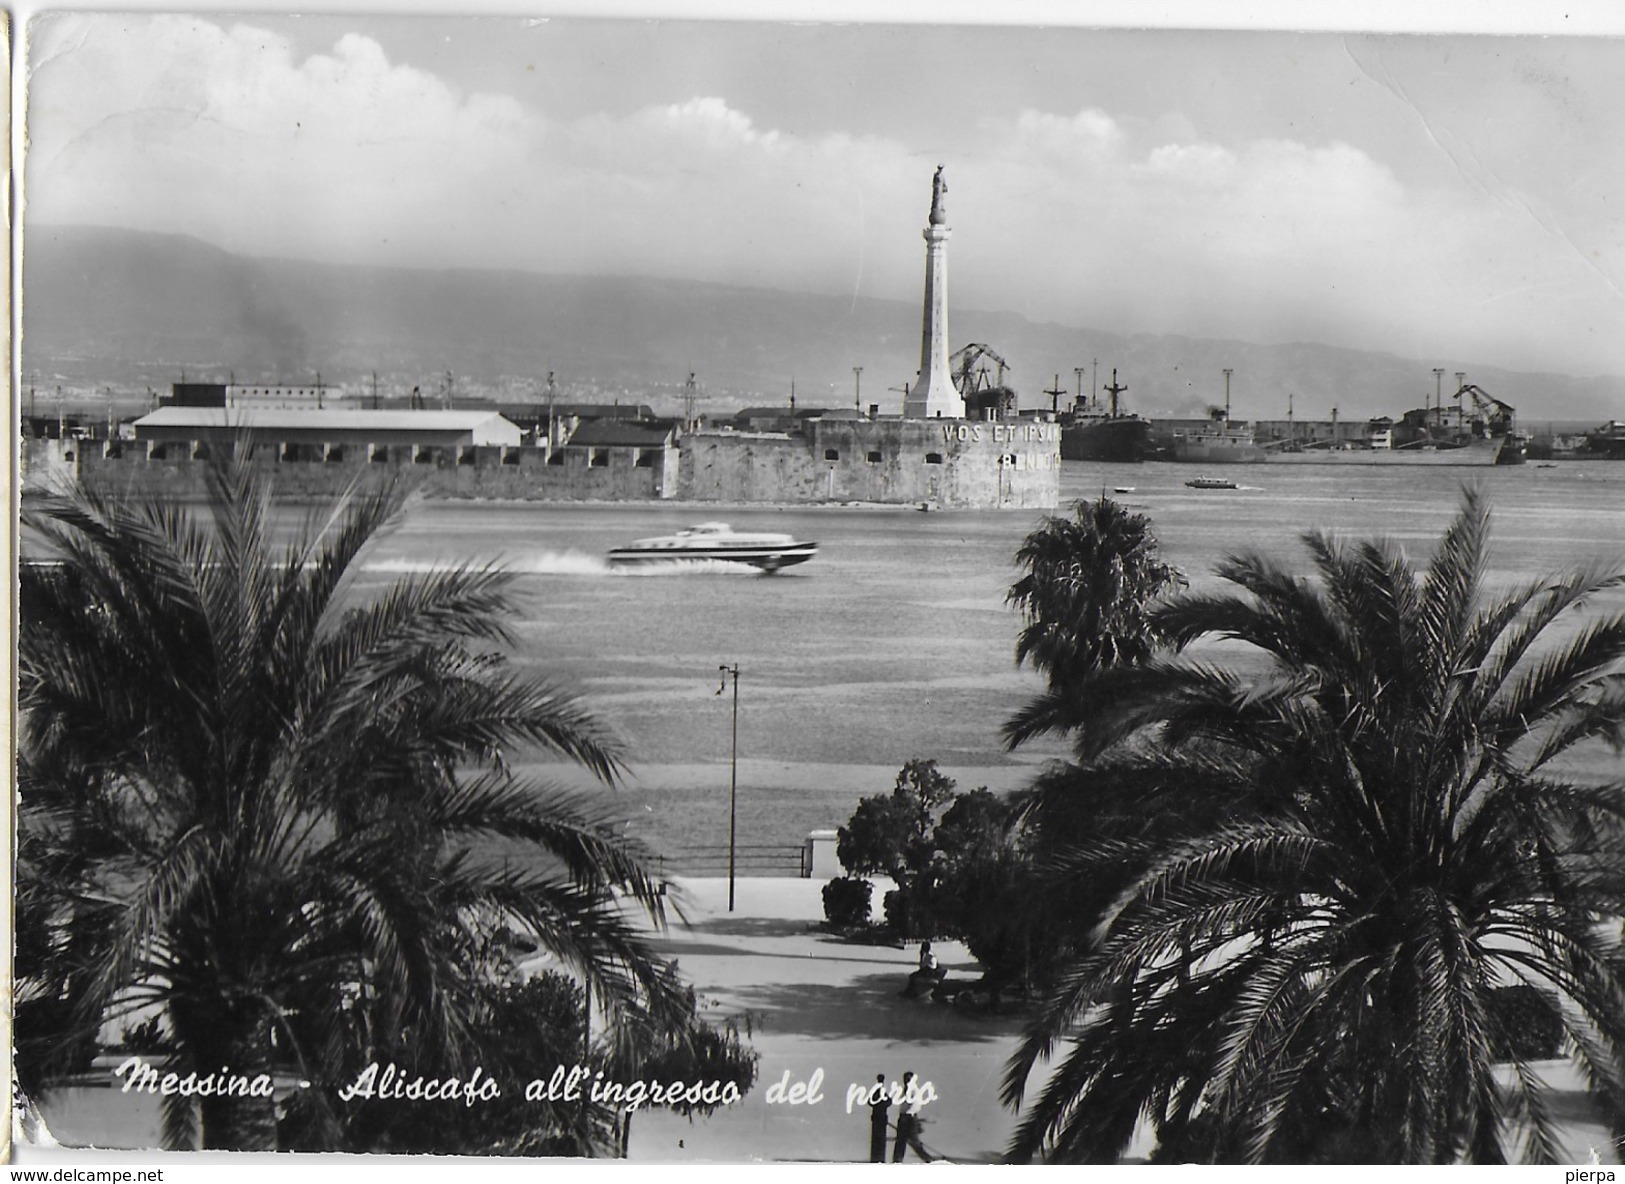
1499, 417
970, 369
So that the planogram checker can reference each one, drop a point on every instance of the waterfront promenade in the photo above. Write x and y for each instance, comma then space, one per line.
817, 1001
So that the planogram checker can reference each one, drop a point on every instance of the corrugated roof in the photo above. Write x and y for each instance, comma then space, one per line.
346, 419
609, 433
532, 408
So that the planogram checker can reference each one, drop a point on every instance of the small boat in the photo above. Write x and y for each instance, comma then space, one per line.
716, 540
1210, 483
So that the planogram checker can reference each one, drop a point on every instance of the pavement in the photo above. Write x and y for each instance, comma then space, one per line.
814, 1001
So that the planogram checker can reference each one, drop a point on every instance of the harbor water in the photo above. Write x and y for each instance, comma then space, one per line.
896, 642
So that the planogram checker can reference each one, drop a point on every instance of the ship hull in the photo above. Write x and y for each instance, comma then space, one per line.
1216, 453
1478, 453
1124, 439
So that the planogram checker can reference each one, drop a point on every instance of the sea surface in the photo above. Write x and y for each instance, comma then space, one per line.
896, 642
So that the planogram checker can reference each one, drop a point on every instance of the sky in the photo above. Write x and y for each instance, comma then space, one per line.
1425, 195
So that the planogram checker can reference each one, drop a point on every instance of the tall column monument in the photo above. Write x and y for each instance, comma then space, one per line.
933, 395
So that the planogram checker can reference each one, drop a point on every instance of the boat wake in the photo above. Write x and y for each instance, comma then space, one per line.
567, 563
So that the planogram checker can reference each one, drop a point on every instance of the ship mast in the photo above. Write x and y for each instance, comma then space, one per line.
1055, 392
1114, 390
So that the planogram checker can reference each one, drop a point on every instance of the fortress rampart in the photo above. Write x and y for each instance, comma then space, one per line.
316, 471
937, 462
940, 463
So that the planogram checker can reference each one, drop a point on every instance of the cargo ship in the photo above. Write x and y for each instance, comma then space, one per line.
1606, 442
1221, 441
1461, 453
1480, 430
1092, 432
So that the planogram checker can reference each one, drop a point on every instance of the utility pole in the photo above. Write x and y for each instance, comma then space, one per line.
733, 773
857, 388
375, 390
1438, 394
552, 416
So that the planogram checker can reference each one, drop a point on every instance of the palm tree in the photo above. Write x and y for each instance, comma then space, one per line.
1086, 596
1327, 872
275, 810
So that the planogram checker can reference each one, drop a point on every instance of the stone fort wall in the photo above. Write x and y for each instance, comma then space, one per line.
496, 473
943, 463
946, 463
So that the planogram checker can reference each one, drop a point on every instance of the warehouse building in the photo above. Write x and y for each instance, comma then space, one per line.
318, 435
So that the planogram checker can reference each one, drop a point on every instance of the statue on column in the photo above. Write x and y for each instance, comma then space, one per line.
939, 190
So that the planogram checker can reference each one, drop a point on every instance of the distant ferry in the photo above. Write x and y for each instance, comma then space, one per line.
1221, 441
717, 540
1210, 483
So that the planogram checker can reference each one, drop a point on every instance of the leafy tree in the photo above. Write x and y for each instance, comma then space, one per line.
981, 880
891, 834
1354, 846
697, 1052
876, 839
526, 1029
263, 804
523, 1030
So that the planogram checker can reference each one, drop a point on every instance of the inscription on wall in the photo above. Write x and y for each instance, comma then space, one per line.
1003, 432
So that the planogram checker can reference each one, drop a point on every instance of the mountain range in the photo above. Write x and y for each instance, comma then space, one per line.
122, 309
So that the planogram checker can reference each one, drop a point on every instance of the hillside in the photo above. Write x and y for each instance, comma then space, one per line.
125, 309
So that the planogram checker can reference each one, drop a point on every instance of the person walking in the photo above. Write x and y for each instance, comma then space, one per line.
908, 1126
879, 1108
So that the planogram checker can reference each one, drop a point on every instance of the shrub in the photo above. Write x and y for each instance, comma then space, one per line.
847, 902
905, 914
1524, 1024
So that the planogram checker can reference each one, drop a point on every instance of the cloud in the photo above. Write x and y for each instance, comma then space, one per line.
708, 120
1133, 224
177, 124
1089, 133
